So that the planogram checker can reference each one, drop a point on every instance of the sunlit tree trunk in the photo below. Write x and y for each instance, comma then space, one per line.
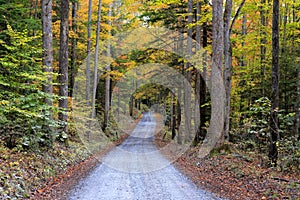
274, 124
63, 65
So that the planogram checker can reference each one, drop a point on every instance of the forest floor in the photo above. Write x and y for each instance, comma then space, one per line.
236, 176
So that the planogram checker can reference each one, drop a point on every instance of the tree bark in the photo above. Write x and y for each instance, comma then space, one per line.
73, 48
63, 65
96, 60
215, 136
274, 124
47, 49
88, 59
173, 115
107, 80
198, 77
187, 89
227, 66
263, 43
203, 82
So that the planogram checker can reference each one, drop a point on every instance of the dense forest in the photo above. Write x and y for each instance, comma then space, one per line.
224, 75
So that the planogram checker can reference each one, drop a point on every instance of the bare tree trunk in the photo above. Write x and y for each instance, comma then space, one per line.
48, 48
63, 65
131, 103
178, 117
228, 61
215, 136
73, 47
284, 54
274, 124
198, 77
244, 33
197, 105
179, 90
263, 43
203, 83
173, 115
227, 66
88, 59
107, 81
96, 60
187, 89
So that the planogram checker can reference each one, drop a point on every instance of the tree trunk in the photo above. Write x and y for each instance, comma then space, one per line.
244, 33
227, 66
107, 81
48, 48
178, 116
203, 83
274, 124
88, 59
96, 60
63, 65
263, 43
198, 77
173, 115
215, 136
131, 103
197, 104
73, 48
187, 89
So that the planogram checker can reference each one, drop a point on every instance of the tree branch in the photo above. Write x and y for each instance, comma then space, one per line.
236, 15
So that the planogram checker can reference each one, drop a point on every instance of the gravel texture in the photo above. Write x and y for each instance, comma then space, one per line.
135, 170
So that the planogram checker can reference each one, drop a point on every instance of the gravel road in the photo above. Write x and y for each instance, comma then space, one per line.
135, 170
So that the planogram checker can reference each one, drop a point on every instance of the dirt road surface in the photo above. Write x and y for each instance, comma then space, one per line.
135, 170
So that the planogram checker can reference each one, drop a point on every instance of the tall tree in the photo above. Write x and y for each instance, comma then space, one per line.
47, 48
187, 90
263, 43
228, 61
198, 76
215, 134
96, 60
63, 65
88, 58
107, 80
274, 123
227, 65
73, 47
